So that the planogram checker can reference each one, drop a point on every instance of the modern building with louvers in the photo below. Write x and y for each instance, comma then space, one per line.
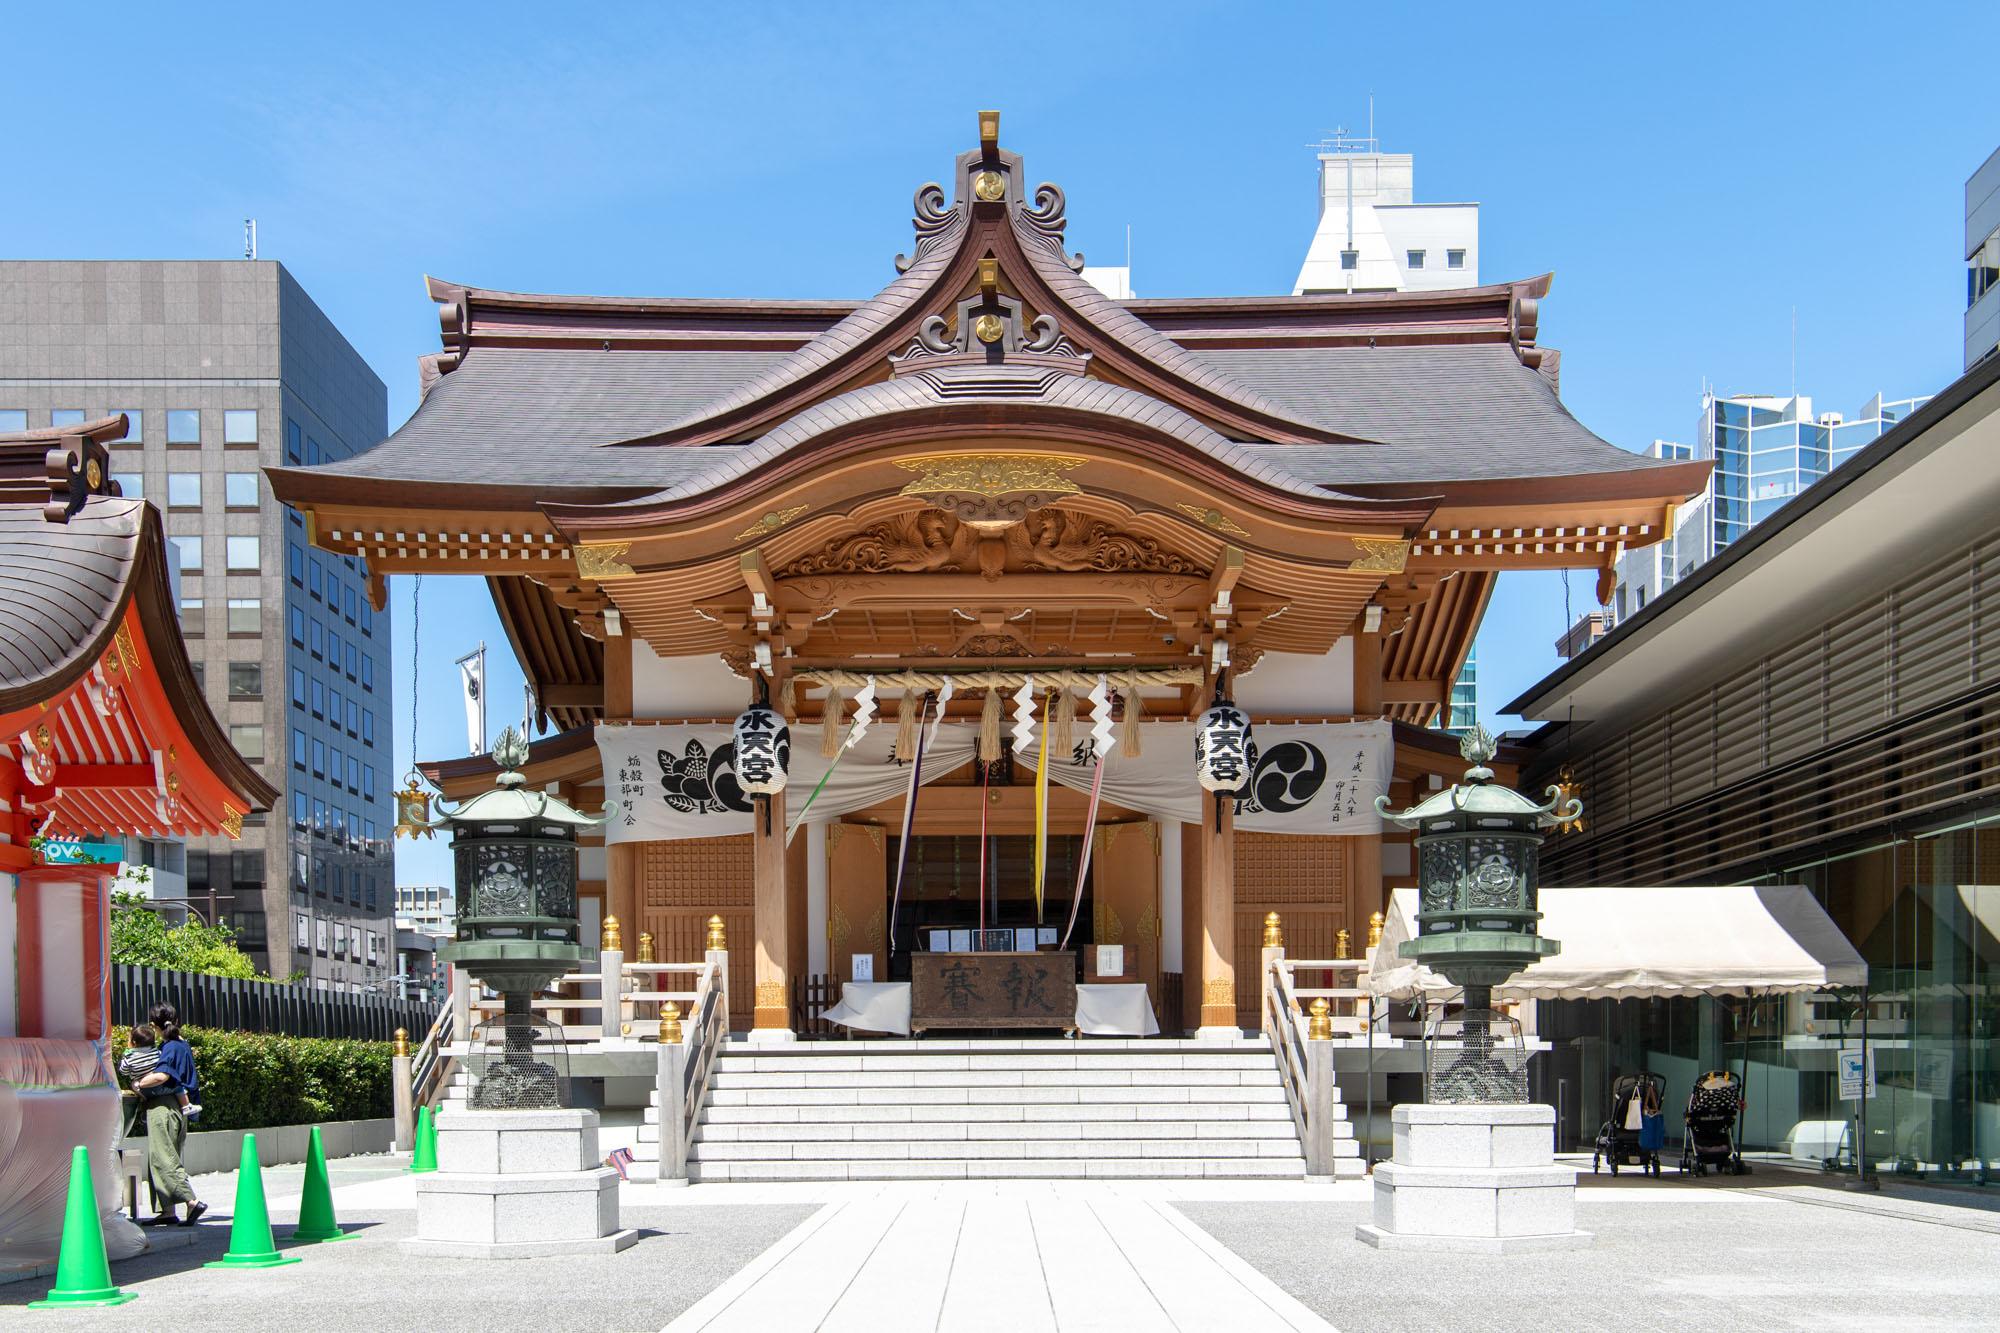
1819, 704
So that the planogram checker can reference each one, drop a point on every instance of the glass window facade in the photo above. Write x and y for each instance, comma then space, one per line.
183, 426
239, 426
239, 490
1925, 914
184, 490
243, 553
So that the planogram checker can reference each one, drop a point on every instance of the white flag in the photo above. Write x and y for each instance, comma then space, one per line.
472, 667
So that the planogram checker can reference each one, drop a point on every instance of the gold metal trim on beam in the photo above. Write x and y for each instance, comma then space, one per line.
599, 560
991, 474
1380, 555
1213, 519
770, 523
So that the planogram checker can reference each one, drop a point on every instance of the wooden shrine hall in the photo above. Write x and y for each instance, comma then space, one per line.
991, 543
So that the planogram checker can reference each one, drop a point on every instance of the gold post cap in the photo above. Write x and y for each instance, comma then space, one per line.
670, 1024
1320, 1026
645, 946
611, 939
402, 1041
1375, 929
715, 936
1274, 933
1342, 942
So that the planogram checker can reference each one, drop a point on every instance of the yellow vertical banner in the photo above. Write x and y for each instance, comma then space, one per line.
1042, 802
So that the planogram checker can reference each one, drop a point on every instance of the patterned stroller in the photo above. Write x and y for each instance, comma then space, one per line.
1618, 1139
1715, 1109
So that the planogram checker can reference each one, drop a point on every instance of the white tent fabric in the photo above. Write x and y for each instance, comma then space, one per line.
1623, 944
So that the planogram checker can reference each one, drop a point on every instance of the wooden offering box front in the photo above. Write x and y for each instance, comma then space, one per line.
992, 990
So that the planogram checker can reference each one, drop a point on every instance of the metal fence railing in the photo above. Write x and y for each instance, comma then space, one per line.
262, 1006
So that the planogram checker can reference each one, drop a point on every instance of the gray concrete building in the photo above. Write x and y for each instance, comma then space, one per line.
224, 367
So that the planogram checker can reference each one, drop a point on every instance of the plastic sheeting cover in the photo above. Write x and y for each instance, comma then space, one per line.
54, 1095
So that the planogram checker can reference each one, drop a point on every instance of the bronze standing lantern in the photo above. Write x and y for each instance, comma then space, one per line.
1478, 847
514, 866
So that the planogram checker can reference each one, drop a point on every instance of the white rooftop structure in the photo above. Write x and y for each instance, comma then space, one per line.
1373, 236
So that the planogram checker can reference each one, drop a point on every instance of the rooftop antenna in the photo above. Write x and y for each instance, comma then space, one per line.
1371, 115
249, 238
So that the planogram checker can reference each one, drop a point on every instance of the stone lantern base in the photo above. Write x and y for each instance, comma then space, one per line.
517, 1185
1475, 1179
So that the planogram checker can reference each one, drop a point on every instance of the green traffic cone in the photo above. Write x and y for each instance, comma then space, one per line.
426, 1155
316, 1204
251, 1244
83, 1274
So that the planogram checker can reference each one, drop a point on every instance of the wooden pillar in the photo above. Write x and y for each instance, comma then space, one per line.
772, 1012
624, 895
1218, 917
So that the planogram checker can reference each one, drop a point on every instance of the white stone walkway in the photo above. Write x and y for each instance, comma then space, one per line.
1067, 1256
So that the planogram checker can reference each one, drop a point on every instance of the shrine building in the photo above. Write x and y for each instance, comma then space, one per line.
991, 542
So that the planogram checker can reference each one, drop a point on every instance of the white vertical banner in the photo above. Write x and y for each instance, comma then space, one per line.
472, 669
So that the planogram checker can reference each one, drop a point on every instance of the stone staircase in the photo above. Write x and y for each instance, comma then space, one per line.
933, 1109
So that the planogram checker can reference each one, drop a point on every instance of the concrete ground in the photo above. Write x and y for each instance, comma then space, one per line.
1768, 1251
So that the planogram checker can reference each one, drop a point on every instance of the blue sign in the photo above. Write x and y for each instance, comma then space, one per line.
72, 852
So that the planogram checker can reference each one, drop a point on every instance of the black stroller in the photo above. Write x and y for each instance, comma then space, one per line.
1618, 1144
1715, 1109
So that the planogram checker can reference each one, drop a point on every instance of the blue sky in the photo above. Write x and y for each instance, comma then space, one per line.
1692, 175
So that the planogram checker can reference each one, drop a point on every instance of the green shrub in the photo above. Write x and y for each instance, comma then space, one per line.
253, 1079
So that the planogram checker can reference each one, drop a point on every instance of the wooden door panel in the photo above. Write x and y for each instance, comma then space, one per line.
1125, 892
857, 898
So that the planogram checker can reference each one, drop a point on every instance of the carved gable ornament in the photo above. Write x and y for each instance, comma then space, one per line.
933, 541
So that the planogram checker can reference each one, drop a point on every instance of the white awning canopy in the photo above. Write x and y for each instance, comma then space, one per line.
1623, 944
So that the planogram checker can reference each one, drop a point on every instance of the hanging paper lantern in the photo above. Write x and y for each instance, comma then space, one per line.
763, 751
1224, 752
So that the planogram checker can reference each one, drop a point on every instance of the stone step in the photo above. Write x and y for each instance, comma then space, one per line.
1039, 1168
727, 1076
995, 1045
1004, 1095
1124, 1131
820, 1065
988, 1149
1275, 1111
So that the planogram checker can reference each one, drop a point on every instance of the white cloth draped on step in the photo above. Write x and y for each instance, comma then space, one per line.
678, 780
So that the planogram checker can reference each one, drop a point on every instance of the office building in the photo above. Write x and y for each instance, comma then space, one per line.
1982, 261
1766, 450
223, 368
1461, 714
1373, 237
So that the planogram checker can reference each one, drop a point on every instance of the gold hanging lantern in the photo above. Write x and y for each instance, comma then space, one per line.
413, 811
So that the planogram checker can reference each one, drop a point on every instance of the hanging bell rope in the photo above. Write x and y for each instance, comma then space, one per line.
1062, 722
906, 726
989, 732
1135, 713
830, 723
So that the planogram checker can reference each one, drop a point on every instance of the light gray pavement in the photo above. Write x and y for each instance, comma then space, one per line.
365, 1283
1770, 1251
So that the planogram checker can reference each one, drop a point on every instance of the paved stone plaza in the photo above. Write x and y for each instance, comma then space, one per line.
1771, 1251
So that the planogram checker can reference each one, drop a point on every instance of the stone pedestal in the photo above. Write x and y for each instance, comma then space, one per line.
1478, 1179
517, 1185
